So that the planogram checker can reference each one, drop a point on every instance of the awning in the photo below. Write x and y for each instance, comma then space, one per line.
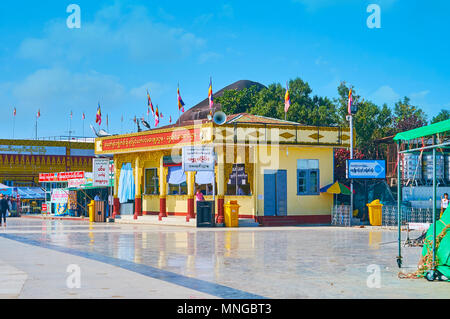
176, 175
204, 177
336, 188
419, 132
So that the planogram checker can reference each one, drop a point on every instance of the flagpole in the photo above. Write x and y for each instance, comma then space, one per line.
14, 124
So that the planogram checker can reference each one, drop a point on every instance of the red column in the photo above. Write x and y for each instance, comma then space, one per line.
137, 207
162, 208
190, 208
116, 209
220, 209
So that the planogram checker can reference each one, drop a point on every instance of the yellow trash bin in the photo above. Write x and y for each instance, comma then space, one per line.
231, 214
375, 212
91, 206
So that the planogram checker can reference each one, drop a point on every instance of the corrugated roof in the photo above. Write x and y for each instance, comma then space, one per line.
257, 119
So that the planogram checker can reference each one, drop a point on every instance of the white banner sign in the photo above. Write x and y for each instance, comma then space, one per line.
101, 172
198, 158
59, 196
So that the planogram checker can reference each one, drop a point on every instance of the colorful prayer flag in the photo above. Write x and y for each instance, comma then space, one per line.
15, 112
350, 101
287, 100
150, 104
156, 117
98, 118
210, 94
180, 101
39, 113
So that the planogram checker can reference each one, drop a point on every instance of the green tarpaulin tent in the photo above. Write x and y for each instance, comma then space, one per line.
443, 251
428, 130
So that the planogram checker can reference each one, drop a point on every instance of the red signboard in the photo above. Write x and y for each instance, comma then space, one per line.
60, 177
158, 139
44, 207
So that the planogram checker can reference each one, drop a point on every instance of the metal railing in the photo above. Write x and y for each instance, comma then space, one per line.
409, 215
340, 215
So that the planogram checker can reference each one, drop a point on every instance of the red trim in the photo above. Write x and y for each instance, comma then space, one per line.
190, 209
168, 214
83, 219
116, 207
220, 211
137, 208
294, 220
162, 208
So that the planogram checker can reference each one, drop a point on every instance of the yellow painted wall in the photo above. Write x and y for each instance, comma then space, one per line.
176, 203
297, 205
150, 203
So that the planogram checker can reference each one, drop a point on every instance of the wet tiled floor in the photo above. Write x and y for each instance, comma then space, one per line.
282, 262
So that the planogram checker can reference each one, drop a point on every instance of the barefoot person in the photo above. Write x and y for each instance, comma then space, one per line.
3, 209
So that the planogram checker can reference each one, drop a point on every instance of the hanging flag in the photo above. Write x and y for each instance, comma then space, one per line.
15, 112
121, 119
150, 105
350, 101
160, 114
156, 117
134, 120
39, 113
180, 101
107, 120
287, 100
98, 118
71, 114
210, 94
170, 119
83, 116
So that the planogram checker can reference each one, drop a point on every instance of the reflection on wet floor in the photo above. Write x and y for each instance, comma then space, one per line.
269, 262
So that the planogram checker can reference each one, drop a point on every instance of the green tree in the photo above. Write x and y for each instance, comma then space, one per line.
442, 116
238, 101
407, 116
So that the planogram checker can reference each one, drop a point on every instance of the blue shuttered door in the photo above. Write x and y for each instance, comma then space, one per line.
281, 193
270, 203
275, 193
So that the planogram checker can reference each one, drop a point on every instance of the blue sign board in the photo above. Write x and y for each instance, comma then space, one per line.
366, 169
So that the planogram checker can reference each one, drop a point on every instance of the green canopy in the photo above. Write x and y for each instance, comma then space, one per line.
443, 252
431, 129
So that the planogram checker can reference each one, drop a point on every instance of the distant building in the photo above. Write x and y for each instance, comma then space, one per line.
21, 161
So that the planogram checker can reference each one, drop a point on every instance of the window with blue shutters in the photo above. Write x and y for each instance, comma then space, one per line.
308, 177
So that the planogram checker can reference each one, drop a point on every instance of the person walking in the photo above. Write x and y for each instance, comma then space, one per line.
444, 203
3, 209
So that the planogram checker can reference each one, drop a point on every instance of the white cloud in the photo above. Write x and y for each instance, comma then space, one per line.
53, 89
155, 89
384, 94
419, 95
126, 33
208, 57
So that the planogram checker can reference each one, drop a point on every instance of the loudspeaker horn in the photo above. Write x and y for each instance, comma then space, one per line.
220, 118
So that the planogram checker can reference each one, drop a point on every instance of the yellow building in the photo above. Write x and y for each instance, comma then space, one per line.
21, 161
273, 168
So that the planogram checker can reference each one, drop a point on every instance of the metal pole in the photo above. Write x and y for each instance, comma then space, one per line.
351, 157
434, 205
399, 208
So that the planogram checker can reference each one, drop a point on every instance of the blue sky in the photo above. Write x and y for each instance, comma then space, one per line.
125, 47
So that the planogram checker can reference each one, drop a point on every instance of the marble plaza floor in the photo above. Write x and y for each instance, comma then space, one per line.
38, 257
